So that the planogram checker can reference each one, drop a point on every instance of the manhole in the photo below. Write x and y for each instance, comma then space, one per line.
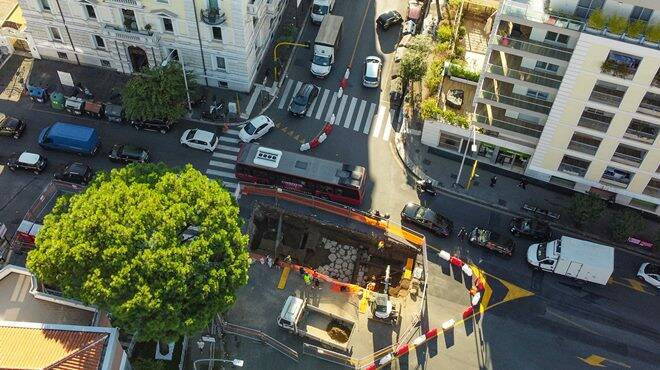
502, 202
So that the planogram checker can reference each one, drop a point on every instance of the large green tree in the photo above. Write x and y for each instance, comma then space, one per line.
157, 93
585, 208
120, 245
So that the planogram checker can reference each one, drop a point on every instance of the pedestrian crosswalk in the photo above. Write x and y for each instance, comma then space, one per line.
361, 116
223, 159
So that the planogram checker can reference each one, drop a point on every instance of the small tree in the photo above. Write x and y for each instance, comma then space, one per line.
413, 67
626, 223
585, 208
157, 93
421, 43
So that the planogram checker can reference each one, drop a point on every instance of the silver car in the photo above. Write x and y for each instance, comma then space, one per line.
372, 68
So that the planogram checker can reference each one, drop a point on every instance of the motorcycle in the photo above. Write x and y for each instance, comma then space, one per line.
383, 216
216, 110
426, 186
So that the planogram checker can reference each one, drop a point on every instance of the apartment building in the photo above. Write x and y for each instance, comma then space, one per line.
570, 94
222, 42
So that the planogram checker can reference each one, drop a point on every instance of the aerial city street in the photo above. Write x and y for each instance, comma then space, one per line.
327, 184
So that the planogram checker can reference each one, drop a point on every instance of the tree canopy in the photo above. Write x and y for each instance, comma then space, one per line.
413, 66
157, 93
120, 246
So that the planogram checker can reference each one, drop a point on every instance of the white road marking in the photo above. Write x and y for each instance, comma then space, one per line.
333, 101
229, 166
228, 175
351, 109
379, 121
228, 148
319, 112
370, 117
311, 107
231, 157
285, 94
340, 111
358, 118
228, 139
232, 132
388, 125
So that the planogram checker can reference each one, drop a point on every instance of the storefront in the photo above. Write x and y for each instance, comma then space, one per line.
502, 157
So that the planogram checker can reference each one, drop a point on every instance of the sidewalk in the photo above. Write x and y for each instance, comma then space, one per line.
441, 167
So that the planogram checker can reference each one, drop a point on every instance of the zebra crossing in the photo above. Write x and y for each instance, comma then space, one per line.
223, 159
360, 115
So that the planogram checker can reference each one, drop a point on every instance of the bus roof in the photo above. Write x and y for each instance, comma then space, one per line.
300, 165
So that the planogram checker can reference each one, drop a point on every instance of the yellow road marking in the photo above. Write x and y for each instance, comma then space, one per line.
364, 302
597, 361
632, 284
283, 277
488, 292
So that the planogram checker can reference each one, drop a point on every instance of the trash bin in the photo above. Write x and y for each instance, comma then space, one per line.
74, 105
57, 100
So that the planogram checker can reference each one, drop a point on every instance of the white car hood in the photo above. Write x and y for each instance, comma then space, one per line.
320, 70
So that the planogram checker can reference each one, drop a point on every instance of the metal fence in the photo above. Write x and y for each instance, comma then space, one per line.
259, 336
331, 356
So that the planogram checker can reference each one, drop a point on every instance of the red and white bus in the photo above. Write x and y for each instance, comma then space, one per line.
293, 171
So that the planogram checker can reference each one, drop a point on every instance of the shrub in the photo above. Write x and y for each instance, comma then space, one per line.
445, 33
429, 109
442, 46
635, 29
617, 25
461, 32
459, 52
596, 20
433, 76
460, 72
585, 208
626, 223
653, 33
148, 364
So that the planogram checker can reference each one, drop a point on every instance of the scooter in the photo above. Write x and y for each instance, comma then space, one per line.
216, 111
426, 186
383, 216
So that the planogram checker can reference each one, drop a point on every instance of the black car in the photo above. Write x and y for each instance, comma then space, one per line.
152, 125
488, 239
389, 19
125, 153
426, 218
76, 173
27, 161
114, 113
530, 228
303, 99
10, 126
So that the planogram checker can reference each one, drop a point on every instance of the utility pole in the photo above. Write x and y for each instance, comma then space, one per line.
437, 8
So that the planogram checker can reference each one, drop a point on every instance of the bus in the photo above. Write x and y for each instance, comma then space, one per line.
332, 180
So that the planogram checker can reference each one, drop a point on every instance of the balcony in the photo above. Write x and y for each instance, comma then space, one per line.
650, 105
253, 7
615, 177
608, 93
535, 47
129, 3
572, 169
139, 37
641, 131
520, 101
213, 16
525, 12
591, 121
524, 74
510, 124
273, 6
653, 188
582, 147
627, 159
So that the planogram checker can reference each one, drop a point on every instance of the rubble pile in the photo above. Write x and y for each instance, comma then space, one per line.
342, 260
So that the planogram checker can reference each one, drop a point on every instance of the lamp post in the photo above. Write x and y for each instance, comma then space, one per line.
474, 149
183, 69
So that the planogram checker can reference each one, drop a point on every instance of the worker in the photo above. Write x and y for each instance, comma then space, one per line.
307, 278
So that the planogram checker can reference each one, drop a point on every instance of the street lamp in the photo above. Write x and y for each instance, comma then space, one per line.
474, 150
166, 61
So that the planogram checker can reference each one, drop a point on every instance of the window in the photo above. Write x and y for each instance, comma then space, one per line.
556, 37
90, 12
55, 34
584, 144
167, 25
173, 54
220, 63
629, 155
223, 84
217, 33
62, 55
616, 177
639, 130
100, 43
608, 93
595, 119
547, 66
642, 204
574, 166
538, 94
105, 63
45, 5
585, 7
640, 14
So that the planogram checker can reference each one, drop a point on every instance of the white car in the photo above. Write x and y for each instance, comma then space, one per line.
199, 139
650, 273
372, 67
255, 128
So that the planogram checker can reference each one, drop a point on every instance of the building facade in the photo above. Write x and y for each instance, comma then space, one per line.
568, 100
222, 42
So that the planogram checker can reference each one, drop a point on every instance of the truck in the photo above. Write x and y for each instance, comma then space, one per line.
305, 320
579, 259
326, 45
67, 137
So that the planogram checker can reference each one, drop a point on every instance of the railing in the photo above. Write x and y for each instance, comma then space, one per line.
605, 98
511, 125
593, 124
626, 159
652, 191
327, 355
519, 101
649, 108
642, 136
535, 47
523, 76
522, 11
259, 336
620, 70
133, 3
582, 147
142, 37
213, 16
615, 180
572, 170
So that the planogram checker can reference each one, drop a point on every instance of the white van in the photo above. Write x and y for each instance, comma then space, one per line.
320, 8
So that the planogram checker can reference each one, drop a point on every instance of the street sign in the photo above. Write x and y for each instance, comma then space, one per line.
65, 78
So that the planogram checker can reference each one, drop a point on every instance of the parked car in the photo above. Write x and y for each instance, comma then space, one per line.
10, 126
27, 161
488, 239
69, 137
427, 218
114, 113
256, 128
389, 19
372, 68
125, 153
303, 99
199, 139
396, 92
152, 125
76, 173
650, 273
530, 228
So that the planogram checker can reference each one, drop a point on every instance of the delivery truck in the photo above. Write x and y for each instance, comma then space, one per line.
68, 137
326, 45
312, 322
579, 259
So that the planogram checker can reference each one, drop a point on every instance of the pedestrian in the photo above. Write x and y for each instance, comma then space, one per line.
301, 270
522, 183
287, 259
308, 279
317, 283
269, 260
277, 262
493, 181
461, 234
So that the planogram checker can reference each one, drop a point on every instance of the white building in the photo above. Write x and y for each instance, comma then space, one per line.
222, 42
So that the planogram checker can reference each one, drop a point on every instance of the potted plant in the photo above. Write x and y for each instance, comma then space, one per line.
616, 25
608, 66
635, 30
596, 21
147, 27
504, 37
622, 70
128, 24
652, 35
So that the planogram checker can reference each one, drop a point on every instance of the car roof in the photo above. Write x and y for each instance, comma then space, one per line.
77, 167
202, 135
306, 89
131, 149
259, 120
29, 158
372, 66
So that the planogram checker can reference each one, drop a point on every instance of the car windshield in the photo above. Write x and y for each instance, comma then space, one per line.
190, 135
300, 100
653, 269
320, 9
426, 214
321, 60
250, 129
370, 79
540, 253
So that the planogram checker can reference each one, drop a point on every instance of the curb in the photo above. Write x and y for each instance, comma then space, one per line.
408, 164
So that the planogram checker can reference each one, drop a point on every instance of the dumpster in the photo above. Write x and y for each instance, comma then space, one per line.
74, 105
93, 109
38, 94
57, 100
114, 113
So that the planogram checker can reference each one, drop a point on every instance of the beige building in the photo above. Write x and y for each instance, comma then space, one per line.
570, 104
222, 42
